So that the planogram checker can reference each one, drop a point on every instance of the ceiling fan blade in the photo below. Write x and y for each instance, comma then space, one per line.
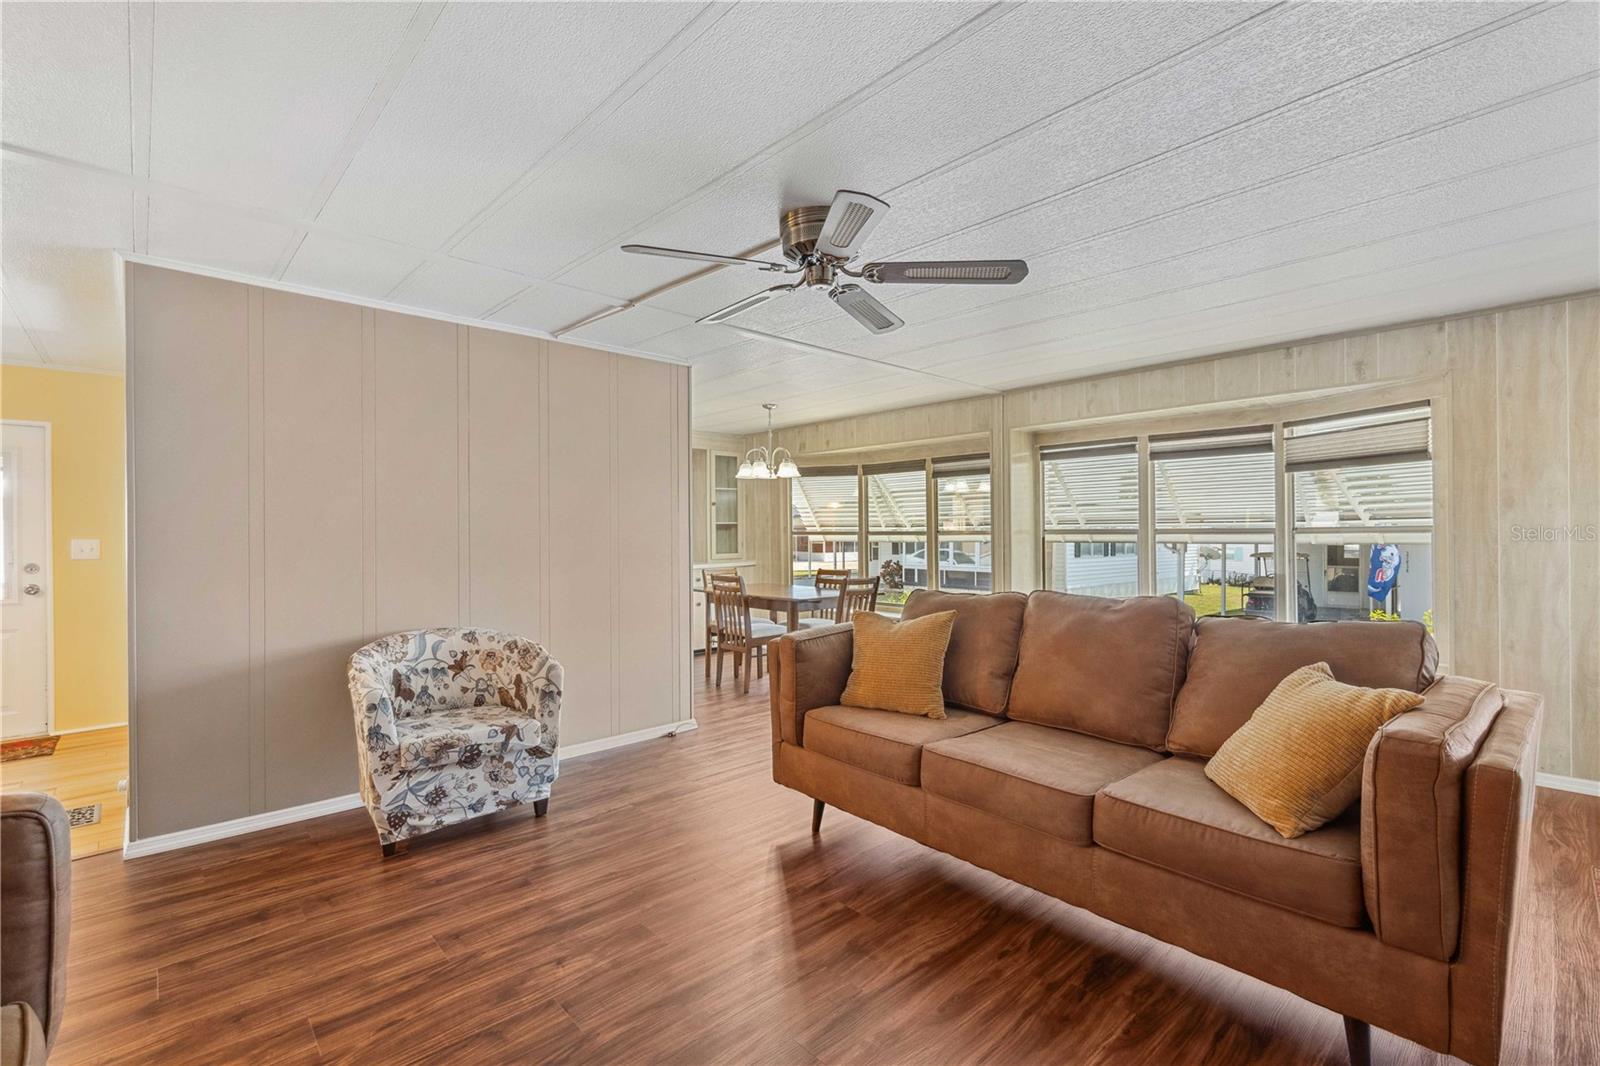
739, 307
704, 257
862, 306
851, 218
948, 272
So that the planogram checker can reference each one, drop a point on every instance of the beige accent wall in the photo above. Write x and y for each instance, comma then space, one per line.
307, 475
1516, 394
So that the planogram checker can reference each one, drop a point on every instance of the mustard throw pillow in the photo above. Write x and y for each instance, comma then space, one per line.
1297, 762
899, 666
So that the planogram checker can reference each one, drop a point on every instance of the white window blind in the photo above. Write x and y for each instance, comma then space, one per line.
1363, 471
1393, 436
1090, 487
1214, 482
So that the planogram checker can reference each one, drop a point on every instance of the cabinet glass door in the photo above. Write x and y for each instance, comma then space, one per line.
724, 506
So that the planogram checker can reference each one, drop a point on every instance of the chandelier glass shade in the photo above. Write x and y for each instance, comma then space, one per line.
766, 463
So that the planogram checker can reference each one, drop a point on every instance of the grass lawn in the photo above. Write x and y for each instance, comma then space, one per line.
1207, 599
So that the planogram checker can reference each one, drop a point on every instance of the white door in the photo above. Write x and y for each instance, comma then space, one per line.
24, 580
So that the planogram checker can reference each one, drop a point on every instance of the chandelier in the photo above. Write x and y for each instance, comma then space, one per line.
764, 464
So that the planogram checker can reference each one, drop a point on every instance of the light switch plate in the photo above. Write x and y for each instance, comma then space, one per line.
85, 548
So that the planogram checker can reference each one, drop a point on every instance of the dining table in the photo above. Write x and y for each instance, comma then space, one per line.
789, 599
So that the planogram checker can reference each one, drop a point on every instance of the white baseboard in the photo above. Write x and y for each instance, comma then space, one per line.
90, 728
254, 823
1581, 785
589, 747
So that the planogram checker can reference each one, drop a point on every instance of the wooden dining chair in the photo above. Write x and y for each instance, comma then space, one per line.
737, 634
854, 594
711, 615
827, 581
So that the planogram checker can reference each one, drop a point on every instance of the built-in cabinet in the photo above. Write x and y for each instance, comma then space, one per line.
724, 505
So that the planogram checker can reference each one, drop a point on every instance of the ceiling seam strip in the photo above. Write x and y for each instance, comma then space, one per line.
1299, 288
680, 42
818, 348
1250, 273
1246, 190
963, 33
1067, 286
418, 27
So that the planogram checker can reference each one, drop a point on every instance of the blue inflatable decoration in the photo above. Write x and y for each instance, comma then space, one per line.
1383, 572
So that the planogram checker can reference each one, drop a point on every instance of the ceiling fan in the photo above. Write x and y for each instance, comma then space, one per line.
821, 242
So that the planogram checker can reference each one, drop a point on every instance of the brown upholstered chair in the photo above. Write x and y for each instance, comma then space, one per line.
35, 912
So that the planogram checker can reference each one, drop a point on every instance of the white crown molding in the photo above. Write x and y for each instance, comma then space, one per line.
381, 305
254, 823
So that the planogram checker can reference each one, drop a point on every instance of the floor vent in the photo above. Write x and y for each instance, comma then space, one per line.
81, 816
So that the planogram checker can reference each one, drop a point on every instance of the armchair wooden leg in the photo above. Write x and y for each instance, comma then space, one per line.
816, 815
1358, 1041
541, 807
393, 848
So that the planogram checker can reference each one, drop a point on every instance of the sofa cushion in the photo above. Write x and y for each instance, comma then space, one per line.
982, 658
1171, 815
1105, 667
1235, 664
447, 736
886, 743
1033, 775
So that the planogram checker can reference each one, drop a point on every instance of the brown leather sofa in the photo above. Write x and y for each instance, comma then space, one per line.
1072, 761
35, 909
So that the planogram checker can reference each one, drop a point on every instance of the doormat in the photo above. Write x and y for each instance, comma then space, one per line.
81, 816
31, 748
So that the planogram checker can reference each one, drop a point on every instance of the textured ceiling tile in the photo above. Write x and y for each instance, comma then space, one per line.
252, 101
369, 269
548, 308
64, 81
191, 231
15, 344
458, 288
726, 97
495, 87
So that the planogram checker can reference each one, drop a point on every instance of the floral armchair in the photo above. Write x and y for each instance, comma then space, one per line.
452, 724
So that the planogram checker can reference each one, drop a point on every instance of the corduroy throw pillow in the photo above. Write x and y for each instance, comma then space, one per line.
1297, 762
899, 666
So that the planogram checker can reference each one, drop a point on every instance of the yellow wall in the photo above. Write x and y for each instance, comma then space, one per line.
85, 412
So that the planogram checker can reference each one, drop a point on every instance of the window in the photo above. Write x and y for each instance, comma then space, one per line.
965, 559
1362, 488
1215, 508
897, 529
1090, 497
825, 521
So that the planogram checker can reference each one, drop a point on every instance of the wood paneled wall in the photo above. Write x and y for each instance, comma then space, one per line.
1517, 474
307, 475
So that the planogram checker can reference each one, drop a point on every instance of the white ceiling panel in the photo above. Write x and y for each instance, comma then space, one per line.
495, 88
740, 88
58, 236
15, 344
253, 101
361, 268
549, 308
625, 331
64, 81
457, 287
187, 230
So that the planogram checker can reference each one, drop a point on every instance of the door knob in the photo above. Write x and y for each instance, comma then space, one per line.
31, 590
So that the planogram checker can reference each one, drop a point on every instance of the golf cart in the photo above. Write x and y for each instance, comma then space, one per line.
1262, 597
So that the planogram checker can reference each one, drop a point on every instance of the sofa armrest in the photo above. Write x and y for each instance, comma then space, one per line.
35, 904
1500, 788
809, 670
1411, 814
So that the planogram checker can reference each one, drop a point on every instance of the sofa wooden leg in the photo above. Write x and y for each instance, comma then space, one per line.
541, 807
1358, 1041
816, 815
393, 848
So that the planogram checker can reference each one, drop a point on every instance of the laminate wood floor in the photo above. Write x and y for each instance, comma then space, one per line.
675, 908
84, 769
